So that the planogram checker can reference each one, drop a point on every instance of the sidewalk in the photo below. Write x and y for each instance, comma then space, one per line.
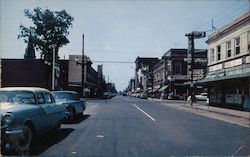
204, 107
229, 112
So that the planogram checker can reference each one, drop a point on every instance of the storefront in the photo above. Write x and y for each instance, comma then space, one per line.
229, 92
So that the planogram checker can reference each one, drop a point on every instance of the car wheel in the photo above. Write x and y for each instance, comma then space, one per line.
22, 144
73, 114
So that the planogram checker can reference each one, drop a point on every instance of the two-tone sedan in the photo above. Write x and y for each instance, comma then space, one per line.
71, 101
25, 113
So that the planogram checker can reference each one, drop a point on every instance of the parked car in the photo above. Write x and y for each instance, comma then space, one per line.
144, 95
108, 95
25, 113
199, 97
202, 97
71, 101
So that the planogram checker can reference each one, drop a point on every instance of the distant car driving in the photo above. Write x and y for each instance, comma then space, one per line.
25, 113
71, 101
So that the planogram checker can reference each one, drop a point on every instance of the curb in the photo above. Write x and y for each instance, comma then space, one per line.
218, 112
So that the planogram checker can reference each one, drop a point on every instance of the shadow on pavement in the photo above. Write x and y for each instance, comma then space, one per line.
78, 119
49, 139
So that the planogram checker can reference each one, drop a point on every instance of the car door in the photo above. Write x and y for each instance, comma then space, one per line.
44, 121
74, 98
54, 111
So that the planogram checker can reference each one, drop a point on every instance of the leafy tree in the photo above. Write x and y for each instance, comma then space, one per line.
50, 27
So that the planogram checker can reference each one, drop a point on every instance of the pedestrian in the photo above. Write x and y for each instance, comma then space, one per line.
246, 103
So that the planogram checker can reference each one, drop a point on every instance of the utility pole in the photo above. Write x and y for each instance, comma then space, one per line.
53, 46
190, 58
83, 68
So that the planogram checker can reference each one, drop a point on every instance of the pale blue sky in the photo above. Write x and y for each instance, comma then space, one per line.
120, 30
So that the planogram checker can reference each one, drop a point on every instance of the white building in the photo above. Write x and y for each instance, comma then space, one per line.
228, 73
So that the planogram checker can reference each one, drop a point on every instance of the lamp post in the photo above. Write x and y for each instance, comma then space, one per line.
53, 46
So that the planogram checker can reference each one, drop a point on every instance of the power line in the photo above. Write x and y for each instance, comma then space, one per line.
223, 13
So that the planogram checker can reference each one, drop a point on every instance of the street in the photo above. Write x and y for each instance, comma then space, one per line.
128, 126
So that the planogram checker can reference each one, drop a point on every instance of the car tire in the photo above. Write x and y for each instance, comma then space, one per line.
73, 115
23, 144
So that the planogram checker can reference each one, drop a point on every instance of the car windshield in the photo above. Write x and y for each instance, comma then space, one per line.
61, 96
19, 97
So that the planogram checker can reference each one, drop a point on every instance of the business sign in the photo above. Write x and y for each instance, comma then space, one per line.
215, 67
180, 77
200, 60
233, 63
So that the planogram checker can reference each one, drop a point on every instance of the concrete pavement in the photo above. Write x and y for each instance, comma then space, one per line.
229, 112
229, 115
127, 126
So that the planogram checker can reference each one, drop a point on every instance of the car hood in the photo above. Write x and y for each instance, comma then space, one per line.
14, 107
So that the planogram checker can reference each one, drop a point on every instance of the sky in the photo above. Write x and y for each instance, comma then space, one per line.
121, 30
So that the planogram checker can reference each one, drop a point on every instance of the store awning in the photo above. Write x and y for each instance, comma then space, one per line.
163, 88
223, 78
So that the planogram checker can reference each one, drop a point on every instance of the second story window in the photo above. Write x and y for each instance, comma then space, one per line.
177, 68
229, 54
237, 45
211, 55
218, 53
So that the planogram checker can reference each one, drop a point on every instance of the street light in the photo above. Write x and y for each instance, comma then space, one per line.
53, 46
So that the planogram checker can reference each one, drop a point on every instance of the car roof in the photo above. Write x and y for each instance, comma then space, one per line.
30, 89
64, 91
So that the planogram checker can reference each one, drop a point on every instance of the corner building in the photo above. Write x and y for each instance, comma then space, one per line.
228, 75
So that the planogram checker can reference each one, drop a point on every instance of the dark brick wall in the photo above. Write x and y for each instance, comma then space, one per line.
26, 73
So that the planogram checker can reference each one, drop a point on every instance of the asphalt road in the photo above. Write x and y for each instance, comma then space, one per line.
126, 126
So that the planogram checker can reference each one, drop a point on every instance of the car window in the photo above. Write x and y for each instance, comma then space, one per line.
74, 97
61, 96
40, 98
20, 97
48, 98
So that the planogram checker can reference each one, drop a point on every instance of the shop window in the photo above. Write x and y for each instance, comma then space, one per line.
233, 95
211, 55
237, 45
229, 49
218, 53
215, 95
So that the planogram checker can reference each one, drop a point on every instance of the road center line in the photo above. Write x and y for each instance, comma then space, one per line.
144, 113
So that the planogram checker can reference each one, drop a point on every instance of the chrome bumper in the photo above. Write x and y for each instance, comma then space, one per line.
13, 132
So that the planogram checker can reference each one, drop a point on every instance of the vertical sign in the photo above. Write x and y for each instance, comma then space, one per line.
189, 57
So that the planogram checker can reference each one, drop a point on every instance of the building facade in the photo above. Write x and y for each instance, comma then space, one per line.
144, 73
160, 79
228, 75
77, 77
26, 73
176, 73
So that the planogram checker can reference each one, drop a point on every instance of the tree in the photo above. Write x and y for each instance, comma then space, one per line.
50, 27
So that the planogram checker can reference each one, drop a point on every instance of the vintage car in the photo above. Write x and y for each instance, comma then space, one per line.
71, 101
200, 97
25, 113
143, 95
